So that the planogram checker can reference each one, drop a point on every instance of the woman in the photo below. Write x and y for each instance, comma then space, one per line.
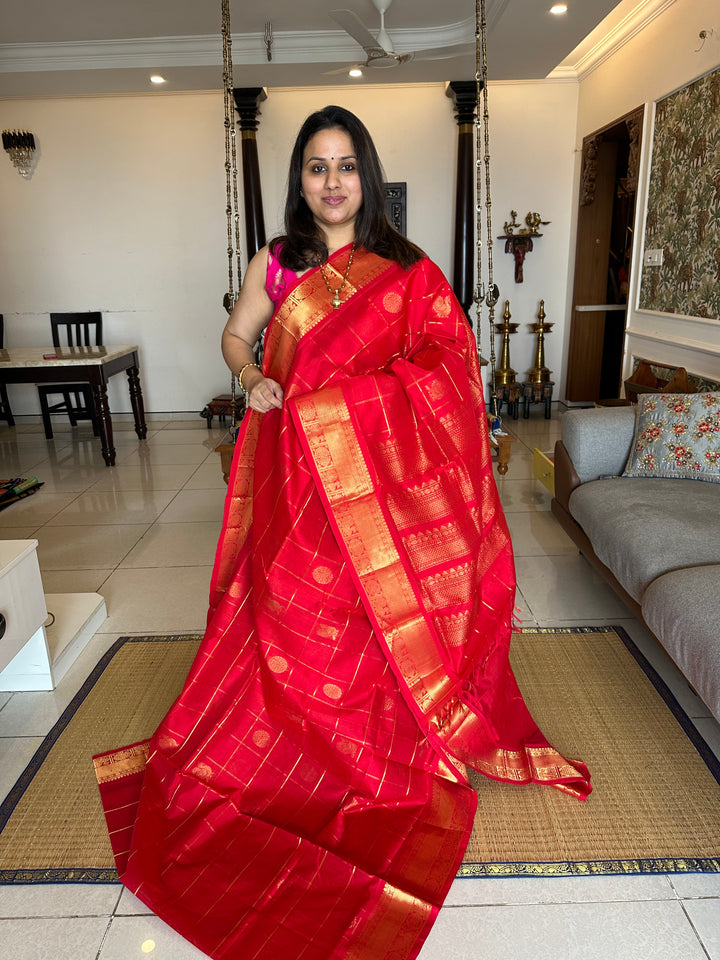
306, 796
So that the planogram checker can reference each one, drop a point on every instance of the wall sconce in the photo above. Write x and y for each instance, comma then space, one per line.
20, 144
521, 243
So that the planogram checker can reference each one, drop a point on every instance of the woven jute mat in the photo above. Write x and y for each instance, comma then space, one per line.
655, 805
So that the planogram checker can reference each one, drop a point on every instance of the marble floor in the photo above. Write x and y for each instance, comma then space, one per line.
143, 534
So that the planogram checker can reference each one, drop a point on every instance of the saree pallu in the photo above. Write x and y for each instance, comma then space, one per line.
306, 796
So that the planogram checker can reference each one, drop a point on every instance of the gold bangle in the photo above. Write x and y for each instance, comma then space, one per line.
240, 374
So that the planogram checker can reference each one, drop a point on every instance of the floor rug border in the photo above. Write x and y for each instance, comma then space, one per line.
468, 870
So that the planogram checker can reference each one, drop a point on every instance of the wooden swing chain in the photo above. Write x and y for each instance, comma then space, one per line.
232, 208
489, 294
479, 285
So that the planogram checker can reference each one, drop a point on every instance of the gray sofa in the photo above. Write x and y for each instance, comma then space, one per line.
656, 541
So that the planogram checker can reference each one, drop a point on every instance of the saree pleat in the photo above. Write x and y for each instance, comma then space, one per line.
306, 796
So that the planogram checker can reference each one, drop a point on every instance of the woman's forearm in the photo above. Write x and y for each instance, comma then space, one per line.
236, 352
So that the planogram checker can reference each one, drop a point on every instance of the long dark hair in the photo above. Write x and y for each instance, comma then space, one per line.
303, 243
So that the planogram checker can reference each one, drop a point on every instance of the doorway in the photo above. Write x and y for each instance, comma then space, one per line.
606, 217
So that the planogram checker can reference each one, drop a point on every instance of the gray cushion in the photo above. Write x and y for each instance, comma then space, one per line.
676, 609
641, 528
598, 440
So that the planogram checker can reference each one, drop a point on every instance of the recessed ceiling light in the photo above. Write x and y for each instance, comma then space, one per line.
558, 8
157, 79
355, 72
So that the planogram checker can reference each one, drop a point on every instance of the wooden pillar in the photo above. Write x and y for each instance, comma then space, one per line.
463, 93
247, 103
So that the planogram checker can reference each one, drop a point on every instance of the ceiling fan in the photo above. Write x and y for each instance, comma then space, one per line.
379, 50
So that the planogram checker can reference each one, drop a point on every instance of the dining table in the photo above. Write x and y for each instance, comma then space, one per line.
93, 365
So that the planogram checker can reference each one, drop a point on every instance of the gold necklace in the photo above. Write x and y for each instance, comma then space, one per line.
336, 301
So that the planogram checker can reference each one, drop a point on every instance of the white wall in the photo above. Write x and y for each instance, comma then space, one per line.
659, 60
533, 158
125, 213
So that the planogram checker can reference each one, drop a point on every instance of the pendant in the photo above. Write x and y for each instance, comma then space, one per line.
336, 301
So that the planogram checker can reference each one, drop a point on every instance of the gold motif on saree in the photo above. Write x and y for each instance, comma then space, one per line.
277, 664
392, 302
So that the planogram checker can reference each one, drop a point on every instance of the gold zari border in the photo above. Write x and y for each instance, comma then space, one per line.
121, 763
346, 481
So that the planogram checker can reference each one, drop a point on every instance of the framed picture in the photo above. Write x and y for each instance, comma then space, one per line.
396, 204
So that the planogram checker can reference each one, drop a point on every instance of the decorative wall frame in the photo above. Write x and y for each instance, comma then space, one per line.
396, 205
683, 207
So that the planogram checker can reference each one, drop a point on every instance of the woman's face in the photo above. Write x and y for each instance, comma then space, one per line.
330, 179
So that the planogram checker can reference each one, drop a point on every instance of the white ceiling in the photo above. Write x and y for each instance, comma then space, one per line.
93, 47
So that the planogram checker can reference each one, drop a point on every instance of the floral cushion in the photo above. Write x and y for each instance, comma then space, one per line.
676, 435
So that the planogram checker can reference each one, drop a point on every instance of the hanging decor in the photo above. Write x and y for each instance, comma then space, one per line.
521, 243
20, 147
232, 204
485, 292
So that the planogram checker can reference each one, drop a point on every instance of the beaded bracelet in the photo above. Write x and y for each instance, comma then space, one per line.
240, 374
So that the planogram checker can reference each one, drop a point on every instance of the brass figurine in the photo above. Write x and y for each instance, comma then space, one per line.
510, 226
534, 220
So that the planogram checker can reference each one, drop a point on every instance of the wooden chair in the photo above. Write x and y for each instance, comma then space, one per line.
5, 411
81, 330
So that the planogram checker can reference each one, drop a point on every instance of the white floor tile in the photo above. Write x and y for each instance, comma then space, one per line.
16, 461
31, 715
209, 439
538, 534
497, 891
193, 506
113, 507
207, 476
90, 547
692, 886
705, 917
146, 936
19, 533
59, 900
145, 476
130, 906
68, 938
176, 545
522, 496
567, 589
172, 599
74, 581
36, 509
191, 453
593, 931
58, 478
519, 468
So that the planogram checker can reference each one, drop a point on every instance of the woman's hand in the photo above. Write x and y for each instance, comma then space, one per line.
262, 393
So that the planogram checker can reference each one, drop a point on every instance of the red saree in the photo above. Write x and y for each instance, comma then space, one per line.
306, 795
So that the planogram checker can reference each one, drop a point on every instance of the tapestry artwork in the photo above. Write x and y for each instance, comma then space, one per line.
683, 217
